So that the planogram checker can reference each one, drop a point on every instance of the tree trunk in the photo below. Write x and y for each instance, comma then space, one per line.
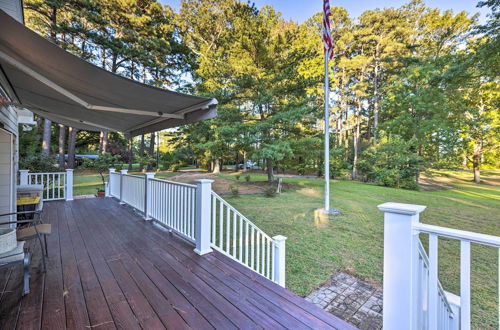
356, 143
71, 146
244, 161
130, 153
216, 166
47, 133
100, 143
151, 151
375, 99
62, 140
270, 170
104, 142
141, 153
476, 162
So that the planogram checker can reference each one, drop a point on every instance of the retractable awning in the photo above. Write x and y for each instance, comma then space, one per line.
59, 86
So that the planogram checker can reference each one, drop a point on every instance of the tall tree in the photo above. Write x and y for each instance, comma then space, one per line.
71, 146
47, 135
62, 142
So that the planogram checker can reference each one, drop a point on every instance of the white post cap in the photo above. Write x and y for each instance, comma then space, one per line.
203, 181
401, 208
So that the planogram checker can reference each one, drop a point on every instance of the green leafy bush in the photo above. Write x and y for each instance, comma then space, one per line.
101, 164
38, 163
237, 176
175, 167
270, 192
247, 178
235, 192
392, 162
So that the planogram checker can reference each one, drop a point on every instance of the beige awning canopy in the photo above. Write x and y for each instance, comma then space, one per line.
59, 86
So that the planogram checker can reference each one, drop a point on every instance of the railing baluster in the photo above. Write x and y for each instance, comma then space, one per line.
268, 261
464, 285
272, 261
252, 247
247, 247
228, 227
221, 224
433, 282
234, 234
241, 239
52, 186
214, 220
257, 253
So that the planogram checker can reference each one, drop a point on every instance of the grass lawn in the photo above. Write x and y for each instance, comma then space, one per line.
353, 241
87, 183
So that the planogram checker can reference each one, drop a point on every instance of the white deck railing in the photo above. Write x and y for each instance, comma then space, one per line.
203, 217
413, 296
237, 237
173, 204
56, 185
133, 195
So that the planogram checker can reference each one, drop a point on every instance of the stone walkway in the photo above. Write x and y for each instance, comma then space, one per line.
350, 299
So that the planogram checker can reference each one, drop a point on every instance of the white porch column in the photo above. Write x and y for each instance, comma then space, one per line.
110, 182
203, 211
400, 253
122, 172
23, 176
69, 184
147, 194
279, 259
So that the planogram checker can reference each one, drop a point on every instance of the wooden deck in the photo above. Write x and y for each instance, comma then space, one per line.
109, 269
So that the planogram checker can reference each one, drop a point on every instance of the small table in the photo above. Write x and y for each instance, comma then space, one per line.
24, 201
27, 204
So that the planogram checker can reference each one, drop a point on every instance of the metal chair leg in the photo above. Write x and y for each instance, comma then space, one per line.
26, 277
43, 254
46, 249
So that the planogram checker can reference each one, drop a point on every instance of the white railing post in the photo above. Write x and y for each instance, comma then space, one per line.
69, 184
109, 184
203, 212
23, 176
400, 256
147, 194
279, 259
122, 172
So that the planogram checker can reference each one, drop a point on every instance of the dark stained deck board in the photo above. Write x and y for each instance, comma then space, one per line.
141, 248
97, 308
109, 269
54, 311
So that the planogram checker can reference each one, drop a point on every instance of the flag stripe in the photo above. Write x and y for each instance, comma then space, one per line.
327, 38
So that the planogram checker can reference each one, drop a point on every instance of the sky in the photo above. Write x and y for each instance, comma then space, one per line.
300, 10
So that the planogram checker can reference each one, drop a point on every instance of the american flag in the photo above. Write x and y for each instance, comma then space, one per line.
327, 38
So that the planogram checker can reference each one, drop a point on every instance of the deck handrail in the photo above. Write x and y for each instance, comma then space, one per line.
191, 211
236, 236
56, 185
406, 291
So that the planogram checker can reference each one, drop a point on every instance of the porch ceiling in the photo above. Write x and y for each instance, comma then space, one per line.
66, 89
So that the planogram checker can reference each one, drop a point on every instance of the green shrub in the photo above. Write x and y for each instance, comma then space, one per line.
235, 192
175, 167
247, 178
38, 163
392, 162
237, 176
270, 192
101, 164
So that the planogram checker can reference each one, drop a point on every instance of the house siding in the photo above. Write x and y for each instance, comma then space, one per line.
8, 155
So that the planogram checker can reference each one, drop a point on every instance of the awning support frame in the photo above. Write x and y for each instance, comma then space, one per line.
76, 99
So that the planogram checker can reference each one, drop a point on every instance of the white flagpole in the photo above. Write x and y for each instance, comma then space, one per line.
327, 136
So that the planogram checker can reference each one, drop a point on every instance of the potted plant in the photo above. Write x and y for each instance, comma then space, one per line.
101, 164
